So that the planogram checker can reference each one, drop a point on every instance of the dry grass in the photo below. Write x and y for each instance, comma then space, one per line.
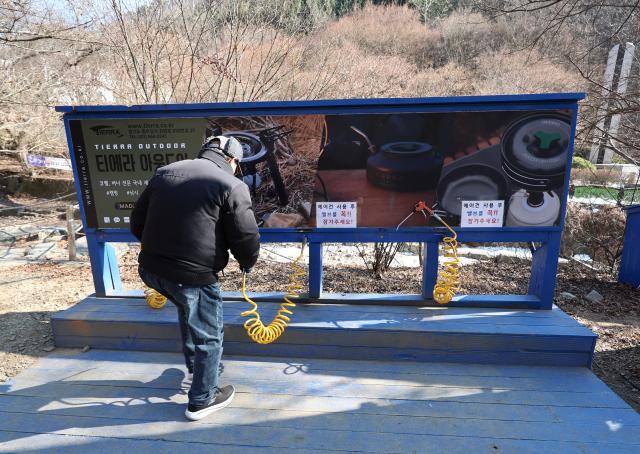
389, 30
465, 36
594, 230
606, 177
522, 72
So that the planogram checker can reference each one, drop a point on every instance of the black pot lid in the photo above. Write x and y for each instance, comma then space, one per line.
405, 148
538, 145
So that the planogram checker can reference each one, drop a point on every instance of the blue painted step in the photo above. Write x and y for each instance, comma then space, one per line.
470, 335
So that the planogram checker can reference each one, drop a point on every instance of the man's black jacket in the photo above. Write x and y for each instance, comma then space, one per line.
188, 217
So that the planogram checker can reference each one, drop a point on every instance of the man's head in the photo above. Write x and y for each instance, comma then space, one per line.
229, 147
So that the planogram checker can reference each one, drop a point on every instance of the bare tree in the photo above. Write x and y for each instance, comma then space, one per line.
187, 51
591, 27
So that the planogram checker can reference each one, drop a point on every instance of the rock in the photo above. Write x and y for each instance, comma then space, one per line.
567, 296
49, 348
594, 297
81, 245
86, 348
52, 236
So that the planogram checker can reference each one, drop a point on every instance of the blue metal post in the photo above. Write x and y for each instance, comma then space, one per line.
315, 269
429, 268
630, 261
544, 269
113, 268
104, 266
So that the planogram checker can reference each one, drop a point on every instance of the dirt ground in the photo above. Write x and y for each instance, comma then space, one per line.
31, 292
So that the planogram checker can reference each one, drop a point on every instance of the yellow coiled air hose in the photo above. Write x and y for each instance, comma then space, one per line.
448, 282
256, 330
155, 299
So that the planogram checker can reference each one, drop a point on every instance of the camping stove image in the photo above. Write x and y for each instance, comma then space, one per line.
260, 148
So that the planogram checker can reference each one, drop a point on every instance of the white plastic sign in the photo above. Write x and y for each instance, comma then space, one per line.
336, 214
482, 213
48, 161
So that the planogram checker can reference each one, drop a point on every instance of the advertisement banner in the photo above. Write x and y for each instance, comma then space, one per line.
378, 165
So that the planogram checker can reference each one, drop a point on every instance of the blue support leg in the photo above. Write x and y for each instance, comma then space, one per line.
544, 269
104, 266
113, 268
630, 261
429, 269
315, 270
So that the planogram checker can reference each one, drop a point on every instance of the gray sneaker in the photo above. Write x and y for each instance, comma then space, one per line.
221, 399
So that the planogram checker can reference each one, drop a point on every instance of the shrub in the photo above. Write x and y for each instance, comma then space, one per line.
451, 79
378, 258
521, 72
582, 163
389, 31
594, 230
604, 177
433, 9
465, 36
352, 73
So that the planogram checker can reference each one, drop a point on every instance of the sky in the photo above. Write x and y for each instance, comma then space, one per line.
65, 9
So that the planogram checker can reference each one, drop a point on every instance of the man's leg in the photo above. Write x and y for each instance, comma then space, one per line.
205, 322
187, 342
202, 309
173, 292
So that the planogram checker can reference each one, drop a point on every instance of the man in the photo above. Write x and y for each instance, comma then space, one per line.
187, 218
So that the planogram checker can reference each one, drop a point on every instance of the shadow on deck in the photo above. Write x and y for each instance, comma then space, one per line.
114, 401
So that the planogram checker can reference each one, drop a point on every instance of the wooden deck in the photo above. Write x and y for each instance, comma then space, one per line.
122, 401
357, 332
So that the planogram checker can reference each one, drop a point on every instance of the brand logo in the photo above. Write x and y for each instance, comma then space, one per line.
106, 130
125, 205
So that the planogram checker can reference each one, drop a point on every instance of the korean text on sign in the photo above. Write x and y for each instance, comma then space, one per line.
336, 214
482, 213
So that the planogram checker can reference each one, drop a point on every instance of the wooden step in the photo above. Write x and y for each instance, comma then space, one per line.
357, 332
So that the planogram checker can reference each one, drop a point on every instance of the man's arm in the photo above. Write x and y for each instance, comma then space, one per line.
240, 227
139, 213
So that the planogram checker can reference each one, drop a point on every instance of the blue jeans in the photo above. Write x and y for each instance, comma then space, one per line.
201, 328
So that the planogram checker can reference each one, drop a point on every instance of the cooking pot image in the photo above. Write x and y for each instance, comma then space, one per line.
405, 167
402, 166
473, 181
534, 158
531, 158
523, 213
534, 151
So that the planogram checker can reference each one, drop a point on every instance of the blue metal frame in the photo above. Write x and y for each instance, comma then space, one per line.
545, 258
630, 261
